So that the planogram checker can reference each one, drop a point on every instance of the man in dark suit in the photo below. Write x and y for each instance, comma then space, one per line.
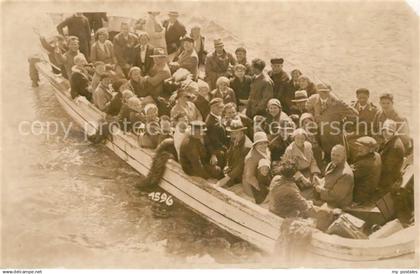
280, 81
142, 53
392, 154
367, 112
193, 155
174, 30
216, 139
230, 114
78, 25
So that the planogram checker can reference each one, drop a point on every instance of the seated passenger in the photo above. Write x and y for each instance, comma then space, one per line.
66, 59
299, 103
366, 169
239, 147
151, 136
80, 78
216, 139
116, 102
103, 95
392, 155
250, 183
136, 84
388, 111
187, 58
293, 86
102, 49
202, 98
99, 69
279, 128
306, 84
181, 129
300, 152
223, 91
184, 104
285, 198
307, 122
241, 85
336, 188
264, 178
130, 116
194, 157
230, 114
158, 73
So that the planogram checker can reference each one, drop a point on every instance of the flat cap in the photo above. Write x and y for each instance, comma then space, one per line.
366, 141
277, 61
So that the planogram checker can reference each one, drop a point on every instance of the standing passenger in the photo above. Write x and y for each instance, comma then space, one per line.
280, 81
78, 25
218, 63
102, 49
199, 44
240, 54
124, 43
174, 30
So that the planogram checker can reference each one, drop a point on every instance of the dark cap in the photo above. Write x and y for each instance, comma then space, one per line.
366, 141
240, 49
362, 91
277, 61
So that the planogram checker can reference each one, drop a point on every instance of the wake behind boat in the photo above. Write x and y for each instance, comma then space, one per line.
236, 213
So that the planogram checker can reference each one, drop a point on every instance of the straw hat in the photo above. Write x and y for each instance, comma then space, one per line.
300, 96
366, 141
274, 101
218, 43
259, 137
323, 87
264, 162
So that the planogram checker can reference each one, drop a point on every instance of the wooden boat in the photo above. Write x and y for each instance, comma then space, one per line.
235, 214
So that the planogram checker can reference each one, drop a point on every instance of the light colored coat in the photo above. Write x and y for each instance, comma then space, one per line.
338, 187
303, 159
249, 177
189, 61
107, 56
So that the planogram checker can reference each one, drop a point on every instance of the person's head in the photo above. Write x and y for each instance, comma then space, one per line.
301, 96
173, 16
106, 78
264, 166
277, 64
236, 131
126, 94
388, 129
99, 67
198, 129
338, 154
182, 96
60, 40
274, 107
134, 74
73, 43
195, 31
239, 71
125, 28
257, 66
118, 85
287, 168
153, 14
222, 83
203, 88
306, 120
303, 82
260, 141
143, 38
365, 145
362, 95
151, 111
188, 43
78, 14
386, 100
299, 137
323, 90
80, 60
219, 47
102, 35
135, 104
216, 106
240, 54
180, 120
295, 74
230, 111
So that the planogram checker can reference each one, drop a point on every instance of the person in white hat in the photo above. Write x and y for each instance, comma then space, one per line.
259, 150
279, 128
392, 155
218, 63
174, 30
235, 156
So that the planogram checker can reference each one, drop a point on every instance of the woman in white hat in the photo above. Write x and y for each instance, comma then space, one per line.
278, 127
259, 150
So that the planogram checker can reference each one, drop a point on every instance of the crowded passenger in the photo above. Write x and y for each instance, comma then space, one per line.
117, 100
80, 78
223, 91
280, 80
77, 25
102, 95
238, 148
102, 49
202, 98
336, 188
124, 43
66, 59
240, 54
261, 90
219, 63
306, 84
367, 112
187, 59
155, 30
184, 104
231, 114
367, 169
299, 104
292, 87
199, 44
158, 73
174, 30
241, 85
142, 53
96, 19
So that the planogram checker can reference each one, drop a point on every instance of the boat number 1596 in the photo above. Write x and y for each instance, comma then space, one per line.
161, 198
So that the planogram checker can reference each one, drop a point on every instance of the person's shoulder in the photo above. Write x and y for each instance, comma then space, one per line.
347, 171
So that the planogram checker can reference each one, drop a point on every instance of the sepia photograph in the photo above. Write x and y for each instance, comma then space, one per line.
209, 135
